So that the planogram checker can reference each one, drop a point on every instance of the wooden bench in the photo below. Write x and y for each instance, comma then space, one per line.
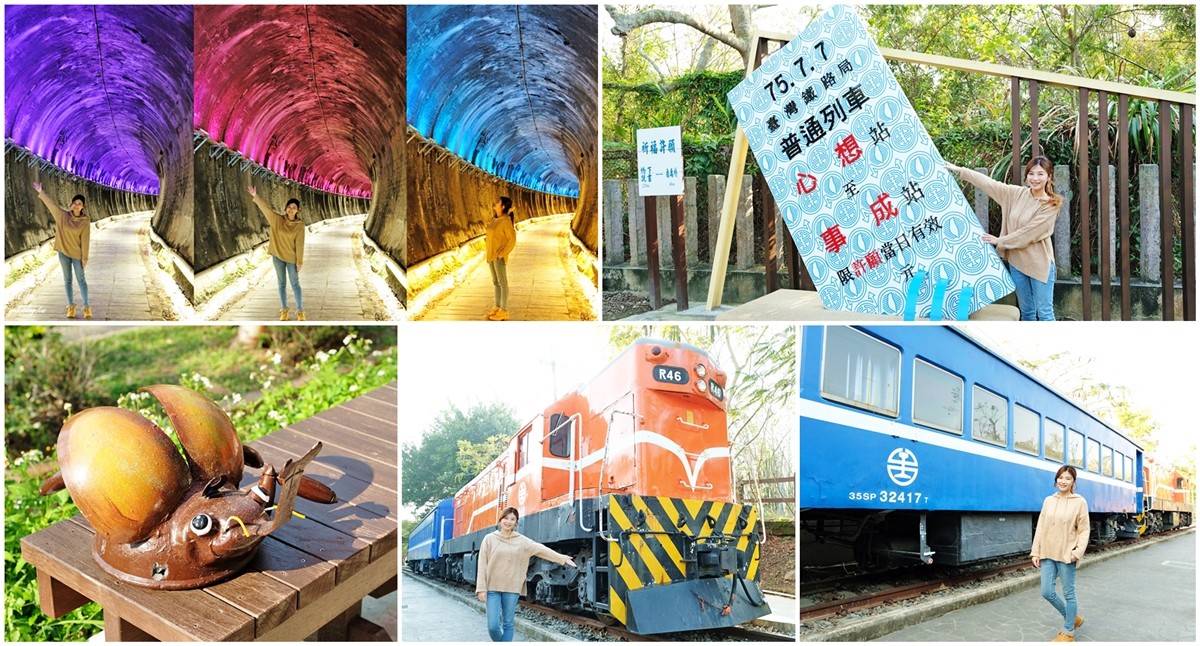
309, 577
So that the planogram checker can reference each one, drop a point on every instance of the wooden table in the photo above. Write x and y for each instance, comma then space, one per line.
310, 576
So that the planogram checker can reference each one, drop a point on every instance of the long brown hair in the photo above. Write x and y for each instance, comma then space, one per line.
1055, 199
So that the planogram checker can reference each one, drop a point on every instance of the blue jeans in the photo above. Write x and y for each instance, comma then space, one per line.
1035, 298
500, 281
70, 264
1065, 606
501, 611
284, 271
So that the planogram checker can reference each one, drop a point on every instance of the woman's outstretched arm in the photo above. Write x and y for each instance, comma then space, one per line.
262, 205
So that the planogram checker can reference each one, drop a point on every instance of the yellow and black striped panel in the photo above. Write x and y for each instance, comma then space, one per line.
653, 531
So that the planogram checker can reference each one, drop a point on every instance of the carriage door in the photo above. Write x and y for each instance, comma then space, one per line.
557, 452
619, 467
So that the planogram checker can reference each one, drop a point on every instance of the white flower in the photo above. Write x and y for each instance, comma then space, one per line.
322, 356
348, 339
353, 387
276, 359
275, 415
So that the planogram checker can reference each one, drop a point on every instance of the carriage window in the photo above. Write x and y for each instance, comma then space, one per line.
1054, 441
1093, 455
861, 371
1106, 463
937, 397
522, 449
1025, 430
989, 422
560, 435
1075, 449
1119, 466
1128, 468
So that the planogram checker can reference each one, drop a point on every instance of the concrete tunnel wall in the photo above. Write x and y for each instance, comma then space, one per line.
27, 222
448, 203
227, 221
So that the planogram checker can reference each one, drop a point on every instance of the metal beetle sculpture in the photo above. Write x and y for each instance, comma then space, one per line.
163, 522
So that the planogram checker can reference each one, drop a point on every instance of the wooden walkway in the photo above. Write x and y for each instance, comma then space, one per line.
120, 287
330, 282
542, 285
309, 577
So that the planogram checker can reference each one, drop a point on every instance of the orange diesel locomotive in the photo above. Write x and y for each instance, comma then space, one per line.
631, 476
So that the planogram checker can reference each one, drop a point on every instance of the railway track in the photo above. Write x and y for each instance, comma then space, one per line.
874, 599
616, 632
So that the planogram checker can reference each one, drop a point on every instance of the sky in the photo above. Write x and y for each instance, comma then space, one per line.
1152, 359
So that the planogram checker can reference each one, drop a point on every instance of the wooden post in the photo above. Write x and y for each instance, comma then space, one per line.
679, 253
650, 212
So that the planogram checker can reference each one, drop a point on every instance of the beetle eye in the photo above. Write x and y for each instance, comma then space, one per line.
202, 524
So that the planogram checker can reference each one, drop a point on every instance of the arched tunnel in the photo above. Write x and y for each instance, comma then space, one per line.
301, 101
98, 102
502, 100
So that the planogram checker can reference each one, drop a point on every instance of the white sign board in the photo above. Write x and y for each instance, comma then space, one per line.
881, 224
660, 161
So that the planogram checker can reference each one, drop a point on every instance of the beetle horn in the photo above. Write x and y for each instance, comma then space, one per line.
122, 471
204, 430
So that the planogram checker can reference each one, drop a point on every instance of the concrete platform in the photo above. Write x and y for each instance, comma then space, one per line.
427, 613
1144, 595
805, 306
783, 614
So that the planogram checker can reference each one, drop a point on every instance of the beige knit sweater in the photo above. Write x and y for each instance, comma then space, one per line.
1025, 226
1062, 529
504, 560
287, 236
501, 238
72, 235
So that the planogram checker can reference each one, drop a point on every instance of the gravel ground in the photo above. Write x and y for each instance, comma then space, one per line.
777, 569
618, 305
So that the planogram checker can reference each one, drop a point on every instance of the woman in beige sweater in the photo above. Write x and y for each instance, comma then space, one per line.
500, 239
1058, 544
286, 246
500, 577
72, 240
1027, 221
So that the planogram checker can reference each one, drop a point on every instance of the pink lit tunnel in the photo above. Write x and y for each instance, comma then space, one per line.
99, 91
312, 93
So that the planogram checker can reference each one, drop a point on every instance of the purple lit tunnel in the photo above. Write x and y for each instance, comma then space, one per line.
313, 93
99, 91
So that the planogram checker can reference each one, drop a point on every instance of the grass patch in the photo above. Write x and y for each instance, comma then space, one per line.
161, 354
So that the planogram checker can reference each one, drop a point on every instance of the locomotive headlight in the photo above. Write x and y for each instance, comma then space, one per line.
702, 385
701, 371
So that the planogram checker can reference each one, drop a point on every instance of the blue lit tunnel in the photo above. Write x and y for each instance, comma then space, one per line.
510, 89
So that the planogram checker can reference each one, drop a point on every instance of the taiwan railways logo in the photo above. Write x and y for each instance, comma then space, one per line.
902, 467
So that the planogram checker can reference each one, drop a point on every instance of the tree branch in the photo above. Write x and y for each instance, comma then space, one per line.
623, 23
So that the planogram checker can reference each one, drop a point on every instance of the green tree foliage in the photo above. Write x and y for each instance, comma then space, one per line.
432, 468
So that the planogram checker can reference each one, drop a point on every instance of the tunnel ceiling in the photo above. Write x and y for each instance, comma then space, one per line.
311, 92
510, 89
99, 91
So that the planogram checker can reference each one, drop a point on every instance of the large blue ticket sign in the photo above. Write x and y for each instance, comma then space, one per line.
881, 224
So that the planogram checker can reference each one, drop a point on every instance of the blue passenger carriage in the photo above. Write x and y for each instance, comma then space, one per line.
425, 541
920, 444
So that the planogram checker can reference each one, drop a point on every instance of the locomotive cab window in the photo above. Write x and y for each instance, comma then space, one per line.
560, 435
1093, 455
1025, 430
989, 419
937, 397
1054, 441
1075, 449
861, 371
523, 449
1106, 461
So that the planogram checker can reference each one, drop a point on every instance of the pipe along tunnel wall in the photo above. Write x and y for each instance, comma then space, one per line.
28, 224
449, 201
